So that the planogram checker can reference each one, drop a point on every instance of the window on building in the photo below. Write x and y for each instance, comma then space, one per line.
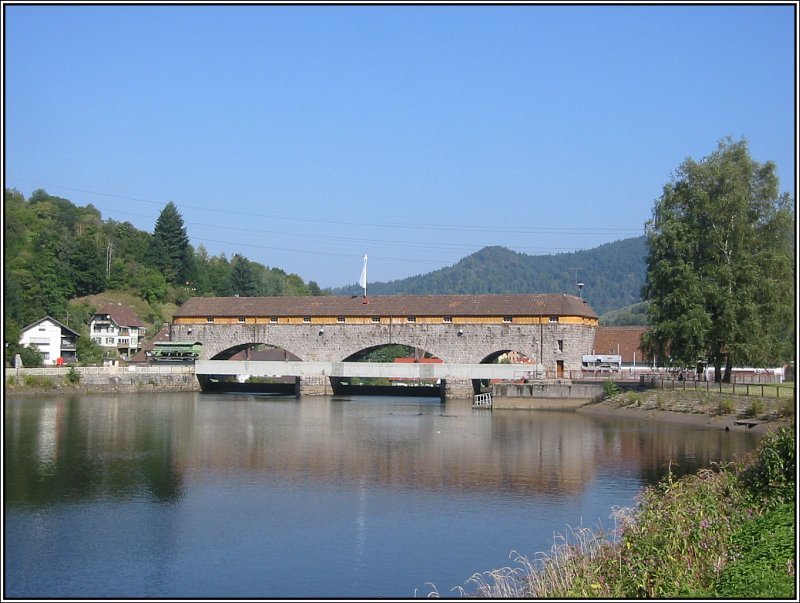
340, 319
560, 345
210, 319
554, 319
376, 319
507, 319
242, 319
411, 319
109, 341
447, 319
306, 319
273, 319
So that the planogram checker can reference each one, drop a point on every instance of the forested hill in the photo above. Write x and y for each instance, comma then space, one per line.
612, 274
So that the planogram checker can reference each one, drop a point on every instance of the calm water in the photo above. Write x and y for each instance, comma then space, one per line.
204, 495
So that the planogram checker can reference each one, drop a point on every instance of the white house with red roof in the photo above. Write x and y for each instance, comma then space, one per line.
116, 326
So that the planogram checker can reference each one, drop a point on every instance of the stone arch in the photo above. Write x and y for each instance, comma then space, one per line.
217, 345
228, 353
359, 353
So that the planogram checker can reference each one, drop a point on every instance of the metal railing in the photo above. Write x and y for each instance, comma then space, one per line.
747, 389
482, 400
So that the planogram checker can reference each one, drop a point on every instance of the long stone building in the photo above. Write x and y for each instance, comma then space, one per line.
553, 330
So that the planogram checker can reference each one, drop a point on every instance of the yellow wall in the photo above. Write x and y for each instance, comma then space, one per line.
396, 320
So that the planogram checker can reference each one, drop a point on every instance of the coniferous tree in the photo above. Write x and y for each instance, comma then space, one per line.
87, 263
720, 277
242, 279
169, 250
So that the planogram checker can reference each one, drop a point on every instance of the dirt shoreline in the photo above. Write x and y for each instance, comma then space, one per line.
699, 417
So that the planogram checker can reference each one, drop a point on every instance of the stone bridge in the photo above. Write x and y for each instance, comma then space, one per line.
552, 330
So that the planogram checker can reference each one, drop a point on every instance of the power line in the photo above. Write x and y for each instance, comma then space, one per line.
347, 240
483, 227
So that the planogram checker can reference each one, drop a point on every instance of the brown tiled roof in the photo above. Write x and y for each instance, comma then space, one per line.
550, 304
122, 315
620, 340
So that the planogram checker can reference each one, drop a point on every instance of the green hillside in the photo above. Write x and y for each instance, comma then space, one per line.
612, 274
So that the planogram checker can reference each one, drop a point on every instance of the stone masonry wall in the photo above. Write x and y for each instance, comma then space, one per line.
336, 343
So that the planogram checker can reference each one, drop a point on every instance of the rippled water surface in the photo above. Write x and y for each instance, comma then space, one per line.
205, 495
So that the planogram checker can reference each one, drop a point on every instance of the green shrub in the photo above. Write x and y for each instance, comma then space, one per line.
771, 477
786, 408
725, 406
755, 409
610, 389
670, 550
73, 376
41, 381
764, 551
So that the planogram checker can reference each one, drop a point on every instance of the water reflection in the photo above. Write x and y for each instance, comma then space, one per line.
127, 446
203, 495
73, 448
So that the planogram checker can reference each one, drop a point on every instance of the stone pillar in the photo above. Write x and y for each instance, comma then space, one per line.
458, 388
316, 385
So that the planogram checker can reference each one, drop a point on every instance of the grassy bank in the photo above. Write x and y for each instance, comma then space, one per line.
726, 532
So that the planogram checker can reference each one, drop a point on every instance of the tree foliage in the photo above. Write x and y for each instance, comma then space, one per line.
56, 252
720, 276
169, 250
242, 277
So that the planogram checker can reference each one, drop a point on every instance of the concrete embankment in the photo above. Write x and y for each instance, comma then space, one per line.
543, 396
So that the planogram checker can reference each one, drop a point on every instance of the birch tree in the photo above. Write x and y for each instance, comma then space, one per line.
720, 272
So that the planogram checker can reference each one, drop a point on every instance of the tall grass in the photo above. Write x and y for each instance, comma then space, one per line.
686, 538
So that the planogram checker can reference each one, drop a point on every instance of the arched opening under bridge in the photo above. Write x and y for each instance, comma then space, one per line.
389, 386
529, 369
253, 384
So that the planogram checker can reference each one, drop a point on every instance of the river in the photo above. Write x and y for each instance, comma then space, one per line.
193, 495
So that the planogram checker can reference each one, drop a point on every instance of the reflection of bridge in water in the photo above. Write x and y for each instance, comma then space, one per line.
327, 334
167, 437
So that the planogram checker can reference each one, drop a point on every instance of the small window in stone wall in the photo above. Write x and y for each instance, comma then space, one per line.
209, 319
340, 319
507, 319
273, 319
242, 319
554, 319
376, 319
560, 345
411, 319
306, 319
447, 319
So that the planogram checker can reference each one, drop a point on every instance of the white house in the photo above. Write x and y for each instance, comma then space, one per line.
118, 327
53, 340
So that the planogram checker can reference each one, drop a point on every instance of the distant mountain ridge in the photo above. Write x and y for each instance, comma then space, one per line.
612, 274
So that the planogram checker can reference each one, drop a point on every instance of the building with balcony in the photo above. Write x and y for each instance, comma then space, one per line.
56, 342
117, 327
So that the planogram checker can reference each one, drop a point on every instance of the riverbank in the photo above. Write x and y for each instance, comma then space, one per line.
700, 410
725, 533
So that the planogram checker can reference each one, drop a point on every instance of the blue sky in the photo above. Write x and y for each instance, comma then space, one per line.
304, 137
